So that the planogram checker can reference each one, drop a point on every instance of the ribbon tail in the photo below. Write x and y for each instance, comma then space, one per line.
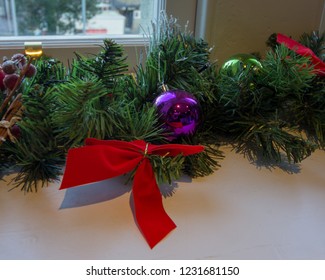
150, 214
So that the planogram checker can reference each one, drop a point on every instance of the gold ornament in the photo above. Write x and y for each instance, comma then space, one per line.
33, 49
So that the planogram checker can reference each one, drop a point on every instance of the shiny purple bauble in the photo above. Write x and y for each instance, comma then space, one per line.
179, 112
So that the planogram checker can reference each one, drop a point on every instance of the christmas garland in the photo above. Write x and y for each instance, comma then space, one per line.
269, 108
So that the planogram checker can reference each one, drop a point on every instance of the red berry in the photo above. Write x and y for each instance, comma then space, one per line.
31, 71
19, 58
15, 131
9, 67
2, 75
10, 80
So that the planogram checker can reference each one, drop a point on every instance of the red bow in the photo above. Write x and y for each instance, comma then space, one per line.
103, 159
318, 64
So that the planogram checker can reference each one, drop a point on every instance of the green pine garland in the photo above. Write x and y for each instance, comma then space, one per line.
275, 113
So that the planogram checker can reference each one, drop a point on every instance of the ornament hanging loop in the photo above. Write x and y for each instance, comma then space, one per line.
163, 87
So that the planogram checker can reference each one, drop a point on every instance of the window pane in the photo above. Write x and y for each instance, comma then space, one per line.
75, 17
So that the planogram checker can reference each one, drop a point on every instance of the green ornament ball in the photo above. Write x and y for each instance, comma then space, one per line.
238, 63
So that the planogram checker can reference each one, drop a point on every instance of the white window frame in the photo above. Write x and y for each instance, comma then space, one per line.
322, 21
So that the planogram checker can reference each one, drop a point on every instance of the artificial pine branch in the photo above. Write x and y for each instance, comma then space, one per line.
175, 58
271, 141
271, 42
309, 114
37, 166
314, 41
204, 163
107, 65
299, 92
81, 111
134, 122
167, 169
36, 153
50, 72
286, 72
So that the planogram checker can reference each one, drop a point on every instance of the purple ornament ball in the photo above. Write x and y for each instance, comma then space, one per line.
179, 112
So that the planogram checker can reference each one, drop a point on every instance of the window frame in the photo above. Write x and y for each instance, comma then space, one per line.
322, 21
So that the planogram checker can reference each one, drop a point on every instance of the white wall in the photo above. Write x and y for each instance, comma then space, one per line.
238, 26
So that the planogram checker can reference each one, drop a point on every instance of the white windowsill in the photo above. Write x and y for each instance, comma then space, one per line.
79, 41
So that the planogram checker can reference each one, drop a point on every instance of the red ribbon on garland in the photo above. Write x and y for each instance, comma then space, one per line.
103, 159
300, 49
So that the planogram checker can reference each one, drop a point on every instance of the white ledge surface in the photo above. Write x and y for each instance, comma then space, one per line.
242, 211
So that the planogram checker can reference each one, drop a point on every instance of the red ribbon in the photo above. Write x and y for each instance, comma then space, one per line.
103, 159
319, 65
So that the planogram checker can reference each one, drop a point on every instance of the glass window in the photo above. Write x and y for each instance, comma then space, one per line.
63, 45
76, 17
